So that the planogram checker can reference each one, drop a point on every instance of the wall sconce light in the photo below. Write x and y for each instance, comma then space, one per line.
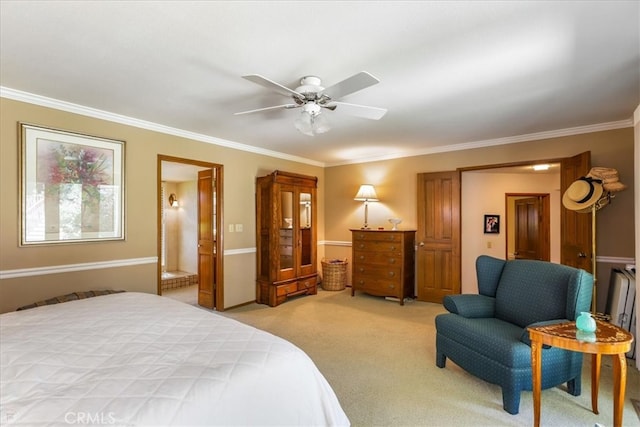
173, 200
366, 194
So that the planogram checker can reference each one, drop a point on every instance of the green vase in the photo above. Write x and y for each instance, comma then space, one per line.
585, 322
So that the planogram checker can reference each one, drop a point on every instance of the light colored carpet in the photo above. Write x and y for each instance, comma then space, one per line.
379, 357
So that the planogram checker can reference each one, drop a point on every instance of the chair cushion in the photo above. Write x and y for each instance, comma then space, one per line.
532, 291
493, 338
470, 305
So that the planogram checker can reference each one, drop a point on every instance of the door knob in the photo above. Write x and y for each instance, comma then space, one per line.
582, 255
421, 244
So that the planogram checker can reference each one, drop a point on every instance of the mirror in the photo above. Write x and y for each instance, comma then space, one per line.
305, 210
305, 228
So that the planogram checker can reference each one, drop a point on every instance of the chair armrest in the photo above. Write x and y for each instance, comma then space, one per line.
470, 305
525, 334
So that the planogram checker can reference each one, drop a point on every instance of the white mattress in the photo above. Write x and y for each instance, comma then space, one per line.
138, 359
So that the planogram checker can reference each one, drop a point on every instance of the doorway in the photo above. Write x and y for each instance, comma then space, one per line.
459, 271
189, 232
528, 229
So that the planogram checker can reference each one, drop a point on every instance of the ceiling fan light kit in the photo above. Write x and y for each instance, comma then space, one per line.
310, 122
312, 97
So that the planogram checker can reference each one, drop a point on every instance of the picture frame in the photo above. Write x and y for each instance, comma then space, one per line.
71, 187
491, 224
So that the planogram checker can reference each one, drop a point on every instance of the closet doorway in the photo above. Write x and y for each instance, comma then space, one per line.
189, 231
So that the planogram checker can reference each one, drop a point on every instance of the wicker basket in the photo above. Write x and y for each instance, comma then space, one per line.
334, 274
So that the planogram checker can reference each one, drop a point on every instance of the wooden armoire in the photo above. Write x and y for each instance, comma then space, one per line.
285, 237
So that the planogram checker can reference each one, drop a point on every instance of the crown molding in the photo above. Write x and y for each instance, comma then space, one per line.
43, 101
82, 110
501, 141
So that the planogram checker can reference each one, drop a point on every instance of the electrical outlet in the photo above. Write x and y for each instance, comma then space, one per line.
489, 245
239, 228
231, 228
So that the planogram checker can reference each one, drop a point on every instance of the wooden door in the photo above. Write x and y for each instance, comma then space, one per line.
532, 228
438, 236
206, 243
575, 228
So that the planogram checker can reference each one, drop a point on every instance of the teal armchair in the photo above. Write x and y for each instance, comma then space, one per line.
486, 335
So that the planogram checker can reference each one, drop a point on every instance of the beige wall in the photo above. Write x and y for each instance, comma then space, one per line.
188, 226
142, 148
396, 184
395, 181
483, 193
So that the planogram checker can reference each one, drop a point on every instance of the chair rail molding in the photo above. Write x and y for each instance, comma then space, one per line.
68, 268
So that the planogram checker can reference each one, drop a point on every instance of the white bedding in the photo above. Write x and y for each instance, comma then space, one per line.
142, 360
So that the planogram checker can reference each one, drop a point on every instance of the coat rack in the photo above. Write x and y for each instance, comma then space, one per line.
589, 194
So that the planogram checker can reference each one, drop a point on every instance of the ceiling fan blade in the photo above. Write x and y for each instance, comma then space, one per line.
350, 85
269, 84
363, 111
286, 106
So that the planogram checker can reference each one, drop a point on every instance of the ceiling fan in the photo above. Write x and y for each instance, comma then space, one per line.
312, 97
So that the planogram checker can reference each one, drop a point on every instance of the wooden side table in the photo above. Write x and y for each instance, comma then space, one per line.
607, 339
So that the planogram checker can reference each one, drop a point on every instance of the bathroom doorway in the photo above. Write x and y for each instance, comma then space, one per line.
189, 218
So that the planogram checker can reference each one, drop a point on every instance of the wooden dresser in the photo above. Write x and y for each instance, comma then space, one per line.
383, 263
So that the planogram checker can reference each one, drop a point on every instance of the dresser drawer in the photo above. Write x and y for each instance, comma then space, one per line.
307, 283
376, 246
381, 271
378, 285
378, 258
365, 236
288, 288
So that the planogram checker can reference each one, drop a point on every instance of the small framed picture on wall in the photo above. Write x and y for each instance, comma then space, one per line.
492, 224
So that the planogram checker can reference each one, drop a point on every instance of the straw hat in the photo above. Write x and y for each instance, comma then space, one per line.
601, 203
609, 178
582, 194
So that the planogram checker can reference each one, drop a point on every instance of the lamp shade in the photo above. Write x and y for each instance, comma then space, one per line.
366, 193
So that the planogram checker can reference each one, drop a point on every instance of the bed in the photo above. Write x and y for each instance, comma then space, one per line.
137, 359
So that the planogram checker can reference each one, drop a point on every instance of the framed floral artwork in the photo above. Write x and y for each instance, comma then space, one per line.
71, 187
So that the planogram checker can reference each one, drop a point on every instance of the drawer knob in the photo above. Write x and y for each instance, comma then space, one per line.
392, 286
361, 282
361, 257
361, 246
392, 260
392, 273
361, 270
393, 248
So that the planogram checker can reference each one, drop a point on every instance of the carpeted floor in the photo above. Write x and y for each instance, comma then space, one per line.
379, 357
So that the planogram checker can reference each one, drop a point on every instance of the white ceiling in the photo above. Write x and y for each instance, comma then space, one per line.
454, 74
